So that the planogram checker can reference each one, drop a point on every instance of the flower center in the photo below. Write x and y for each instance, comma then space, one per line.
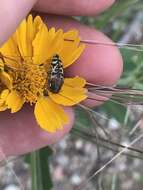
29, 81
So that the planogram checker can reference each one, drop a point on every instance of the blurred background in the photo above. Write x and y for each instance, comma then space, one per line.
96, 137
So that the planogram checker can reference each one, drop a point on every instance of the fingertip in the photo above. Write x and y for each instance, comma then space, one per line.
100, 6
74, 7
99, 63
19, 135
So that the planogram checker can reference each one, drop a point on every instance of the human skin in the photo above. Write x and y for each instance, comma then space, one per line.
19, 132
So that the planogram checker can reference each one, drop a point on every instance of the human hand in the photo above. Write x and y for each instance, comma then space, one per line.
19, 132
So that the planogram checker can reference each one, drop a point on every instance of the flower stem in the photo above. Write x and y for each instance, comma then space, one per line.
41, 178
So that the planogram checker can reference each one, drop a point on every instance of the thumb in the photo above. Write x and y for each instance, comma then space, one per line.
11, 14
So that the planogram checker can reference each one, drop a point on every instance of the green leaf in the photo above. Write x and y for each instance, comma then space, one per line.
133, 65
115, 111
82, 118
41, 178
116, 10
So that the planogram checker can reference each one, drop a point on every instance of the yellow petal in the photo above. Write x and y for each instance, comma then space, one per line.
46, 44
68, 48
71, 34
25, 35
74, 56
6, 79
72, 48
30, 34
14, 101
55, 45
3, 97
71, 93
52, 32
22, 39
76, 81
10, 52
1, 102
4, 94
3, 107
40, 45
37, 23
9, 48
49, 115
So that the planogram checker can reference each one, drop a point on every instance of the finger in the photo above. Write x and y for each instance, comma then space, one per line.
11, 14
19, 132
98, 64
74, 7
19, 135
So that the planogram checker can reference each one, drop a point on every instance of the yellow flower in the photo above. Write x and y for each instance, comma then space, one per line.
25, 64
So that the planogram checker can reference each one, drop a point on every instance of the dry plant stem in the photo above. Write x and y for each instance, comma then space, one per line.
100, 143
92, 111
122, 96
122, 146
106, 133
2, 163
108, 44
3, 156
107, 141
133, 47
116, 90
93, 114
97, 124
109, 162
137, 125
134, 28
98, 162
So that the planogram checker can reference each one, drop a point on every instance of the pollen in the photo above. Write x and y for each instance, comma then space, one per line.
29, 81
